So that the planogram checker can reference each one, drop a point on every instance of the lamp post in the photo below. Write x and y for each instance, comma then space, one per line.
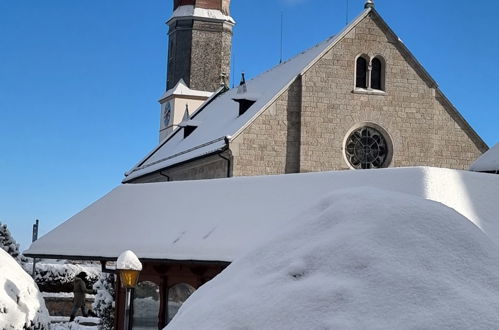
129, 267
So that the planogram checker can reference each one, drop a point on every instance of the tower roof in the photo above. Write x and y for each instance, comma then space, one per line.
222, 5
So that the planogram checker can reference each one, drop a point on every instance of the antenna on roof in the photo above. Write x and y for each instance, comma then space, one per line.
346, 20
282, 28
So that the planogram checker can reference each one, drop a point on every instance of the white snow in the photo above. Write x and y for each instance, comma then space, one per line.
488, 162
182, 89
80, 323
358, 259
219, 220
21, 304
60, 272
221, 118
128, 260
189, 10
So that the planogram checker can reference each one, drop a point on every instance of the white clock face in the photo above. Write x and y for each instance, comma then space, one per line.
167, 114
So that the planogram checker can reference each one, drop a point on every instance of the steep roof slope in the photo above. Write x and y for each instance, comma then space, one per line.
217, 220
218, 117
488, 162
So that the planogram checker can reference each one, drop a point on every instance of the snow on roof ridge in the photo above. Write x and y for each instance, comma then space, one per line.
487, 162
181, 88
271, 83
304, 52
191, 11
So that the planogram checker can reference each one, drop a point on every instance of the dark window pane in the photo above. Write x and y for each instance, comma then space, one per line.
177, 295
361, 79
376, 74
146, 306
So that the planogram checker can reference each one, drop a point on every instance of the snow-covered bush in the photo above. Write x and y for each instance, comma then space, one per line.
359, 259
9, 245
104, 304
52, 276
21, 304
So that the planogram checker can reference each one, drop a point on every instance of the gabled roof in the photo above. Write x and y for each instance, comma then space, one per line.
488, 162
219, 115
219, 118
218, 220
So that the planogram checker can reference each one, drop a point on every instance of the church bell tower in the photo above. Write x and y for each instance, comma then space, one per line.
199, 51
200, 41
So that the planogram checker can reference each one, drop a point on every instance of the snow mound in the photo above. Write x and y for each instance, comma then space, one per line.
128, 260
21, 304
360, 259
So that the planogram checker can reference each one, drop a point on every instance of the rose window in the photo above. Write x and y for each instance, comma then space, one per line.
366, 148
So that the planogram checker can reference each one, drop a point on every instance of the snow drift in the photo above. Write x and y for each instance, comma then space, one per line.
359, 259
21, 304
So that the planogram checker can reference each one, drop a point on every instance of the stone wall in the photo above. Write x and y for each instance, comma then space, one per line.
422, 127
211, 167
61, 306
271, 144
199, 52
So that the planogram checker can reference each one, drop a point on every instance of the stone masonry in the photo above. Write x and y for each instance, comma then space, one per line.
199, 48
304, 130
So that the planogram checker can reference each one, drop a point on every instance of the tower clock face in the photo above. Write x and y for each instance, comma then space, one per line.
167, 114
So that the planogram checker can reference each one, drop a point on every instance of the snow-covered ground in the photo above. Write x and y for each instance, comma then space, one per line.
80, 323
361, 258
21, 304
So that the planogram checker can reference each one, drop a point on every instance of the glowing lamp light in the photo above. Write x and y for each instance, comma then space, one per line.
129, 278
129, 267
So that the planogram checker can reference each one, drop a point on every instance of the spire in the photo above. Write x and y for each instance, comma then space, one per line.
242, 85
186, 113
369, 4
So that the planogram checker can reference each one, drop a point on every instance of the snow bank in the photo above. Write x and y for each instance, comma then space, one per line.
360, 259
21, 304
488, 162
128, 260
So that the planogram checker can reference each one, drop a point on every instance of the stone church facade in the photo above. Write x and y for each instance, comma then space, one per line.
326, 119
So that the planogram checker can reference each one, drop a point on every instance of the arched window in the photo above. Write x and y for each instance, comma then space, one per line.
361, 73
376, 74
146, 306
177, 295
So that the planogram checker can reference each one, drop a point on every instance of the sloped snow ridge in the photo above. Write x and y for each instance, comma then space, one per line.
21, 304
359, 259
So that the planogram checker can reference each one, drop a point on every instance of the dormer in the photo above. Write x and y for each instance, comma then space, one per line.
174, 102
187, 124
245, 99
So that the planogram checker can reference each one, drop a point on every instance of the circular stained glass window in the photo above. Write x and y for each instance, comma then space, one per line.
365, 148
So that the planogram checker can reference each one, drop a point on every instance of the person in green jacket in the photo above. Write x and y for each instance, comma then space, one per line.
79, 290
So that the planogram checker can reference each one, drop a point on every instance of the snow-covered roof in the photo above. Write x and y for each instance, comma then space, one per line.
181, 89
218, 220
391, 262
488, 162
220, 115
191, 11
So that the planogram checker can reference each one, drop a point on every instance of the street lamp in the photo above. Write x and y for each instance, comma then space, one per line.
129, 267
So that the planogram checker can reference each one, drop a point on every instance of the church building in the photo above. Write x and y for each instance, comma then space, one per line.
358, 100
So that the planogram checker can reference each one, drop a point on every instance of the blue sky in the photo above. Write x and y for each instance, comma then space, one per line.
80, 79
